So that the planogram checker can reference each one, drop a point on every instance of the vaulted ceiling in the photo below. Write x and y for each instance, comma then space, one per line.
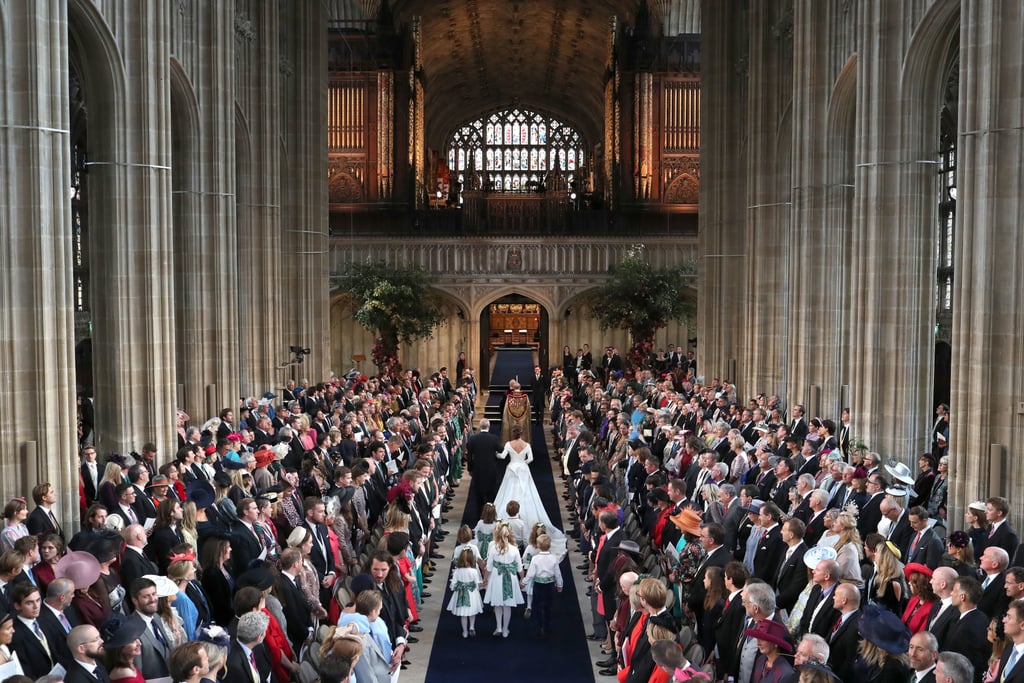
483, 55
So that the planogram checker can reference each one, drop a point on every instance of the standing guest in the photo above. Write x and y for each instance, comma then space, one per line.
113, 476
882, 655
967, 634
248, 660
42, 521
51, 549
156, 643
298, 617
29, 643
923, 653
922, 597
888, 587
772, 641
217, 581
15, 513
1000, 534
86, 647
937, 501
1011, 669
301, 539
977, 526
8, 657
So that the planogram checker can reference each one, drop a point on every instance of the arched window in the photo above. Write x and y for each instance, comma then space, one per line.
516, 140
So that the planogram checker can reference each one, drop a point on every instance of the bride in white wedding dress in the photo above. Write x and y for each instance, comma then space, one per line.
518, 485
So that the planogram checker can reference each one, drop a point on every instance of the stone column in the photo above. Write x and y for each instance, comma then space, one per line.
817, 296
723, 222
988, 382
762, 321
37, 374
305, 296
261, 339
204, 176
129, 189
892, 246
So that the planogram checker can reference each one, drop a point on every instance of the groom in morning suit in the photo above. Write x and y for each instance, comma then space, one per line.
482, 452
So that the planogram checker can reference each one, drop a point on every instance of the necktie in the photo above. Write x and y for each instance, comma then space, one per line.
53, 520
157, 632
913, 546
31, 577
986, 582
42, 639
64, 622
132, 516
252, 663
991, 531
1014, 656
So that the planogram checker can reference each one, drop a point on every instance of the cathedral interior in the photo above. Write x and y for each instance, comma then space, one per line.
183, 183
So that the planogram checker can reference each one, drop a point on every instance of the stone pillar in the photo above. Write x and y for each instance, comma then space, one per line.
720, 306
204, 177
37, 374
261, 339
129, 186
817, 325
305, 292
892, 284
988, 382
764, 270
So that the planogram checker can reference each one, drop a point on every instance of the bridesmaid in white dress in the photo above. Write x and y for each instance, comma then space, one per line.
503, 576
518, 485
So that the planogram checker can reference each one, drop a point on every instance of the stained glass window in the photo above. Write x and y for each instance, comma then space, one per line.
512, 141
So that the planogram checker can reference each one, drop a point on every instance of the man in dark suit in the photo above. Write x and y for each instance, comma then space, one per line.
1000, 534
86, 648
712, 540
994, 599
798, 427
900, 532
733, 513
321, 555
785, 479
607, 549
843, 638
791, 578
134, 562
42, 521
293, 600
730, 625
820, 614
818, 503
91, 472
139, 478
871, 512
1011, 668
925, 546
943, 614
967, 635
923, 653
481, 457
771, 548
245, 544
248, 661
56, 619
29, 642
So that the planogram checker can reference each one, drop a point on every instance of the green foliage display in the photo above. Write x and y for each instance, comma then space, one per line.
643, 299
397, 303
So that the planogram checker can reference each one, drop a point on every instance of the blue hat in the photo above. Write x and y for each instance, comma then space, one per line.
755, 506
362, 582
269, 395
201, 493
883, 628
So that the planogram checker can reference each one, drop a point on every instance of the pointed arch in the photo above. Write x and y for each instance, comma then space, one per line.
924, 70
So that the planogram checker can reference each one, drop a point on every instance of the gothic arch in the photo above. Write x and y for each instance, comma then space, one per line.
924, 70
485, 299
94, 49
842, 111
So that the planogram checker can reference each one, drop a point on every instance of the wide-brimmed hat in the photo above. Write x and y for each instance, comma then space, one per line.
762, 427
264, 456
818, 553
771, 631
884, 629
688, 521
105, 546
79, 567
158, 480
977, 506
754, 507
258, 577
667, 654
232, 464
912, 567
118, 631
200, 492
817, 666
900, 472
165, 588
629, 546
346, 494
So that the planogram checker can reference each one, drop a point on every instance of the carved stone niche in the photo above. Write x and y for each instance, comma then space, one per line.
343, 188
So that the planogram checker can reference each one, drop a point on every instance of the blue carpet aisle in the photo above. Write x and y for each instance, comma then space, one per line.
563, 655
511, 364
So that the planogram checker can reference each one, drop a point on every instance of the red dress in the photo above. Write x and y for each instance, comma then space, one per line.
137, 678
627, 653
278, 647
916, 615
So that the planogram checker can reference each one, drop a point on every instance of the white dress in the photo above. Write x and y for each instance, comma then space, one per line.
503, 584
465, 585
518, 485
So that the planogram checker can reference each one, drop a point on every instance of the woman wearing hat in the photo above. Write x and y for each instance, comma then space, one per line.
8, 659
888, 587
959, 555
922, 597
936, 502
771, 666
691, 554
121, 646
882, 655
301, 538
83, 570
977, 526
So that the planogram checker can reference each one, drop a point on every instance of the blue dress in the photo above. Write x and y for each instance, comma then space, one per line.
188, 612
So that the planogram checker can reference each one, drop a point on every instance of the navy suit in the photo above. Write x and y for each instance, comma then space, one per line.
843, 644
940, 625
792, 578
967, 636
1016, 674
35, 660
76, 673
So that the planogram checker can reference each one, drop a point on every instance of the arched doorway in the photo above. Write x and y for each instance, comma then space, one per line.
513, 323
